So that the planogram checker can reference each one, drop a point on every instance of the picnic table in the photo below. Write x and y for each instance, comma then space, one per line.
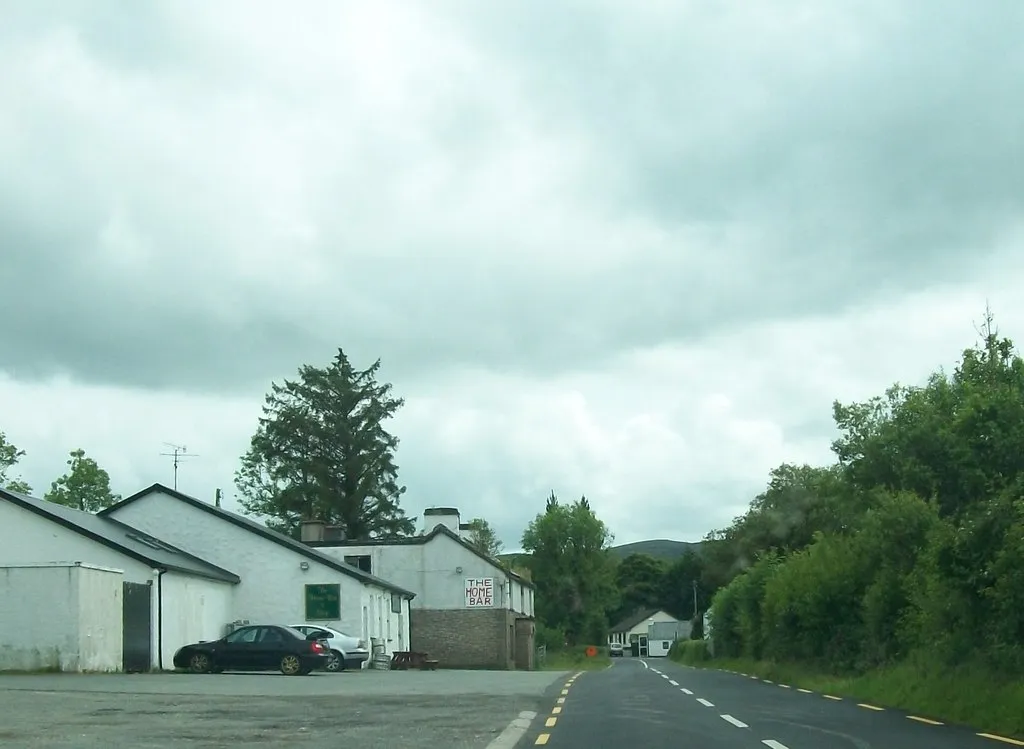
403, 660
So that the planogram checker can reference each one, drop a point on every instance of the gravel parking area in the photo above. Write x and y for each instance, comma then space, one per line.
366, 709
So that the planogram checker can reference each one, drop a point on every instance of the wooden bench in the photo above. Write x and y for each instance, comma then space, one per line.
403, 660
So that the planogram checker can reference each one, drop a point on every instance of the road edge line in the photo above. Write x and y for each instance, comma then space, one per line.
513, 731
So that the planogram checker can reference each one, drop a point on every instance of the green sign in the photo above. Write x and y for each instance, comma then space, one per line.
323, 602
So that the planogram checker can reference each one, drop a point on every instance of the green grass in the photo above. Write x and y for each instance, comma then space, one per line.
970, 694
575, 659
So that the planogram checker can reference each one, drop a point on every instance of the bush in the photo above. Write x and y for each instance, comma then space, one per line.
690, 652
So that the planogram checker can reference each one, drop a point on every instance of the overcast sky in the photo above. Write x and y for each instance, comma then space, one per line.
631, 250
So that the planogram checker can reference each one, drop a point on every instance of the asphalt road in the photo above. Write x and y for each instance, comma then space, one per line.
366, 709
655, 703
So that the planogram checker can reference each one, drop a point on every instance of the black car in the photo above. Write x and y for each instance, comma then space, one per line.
262, 647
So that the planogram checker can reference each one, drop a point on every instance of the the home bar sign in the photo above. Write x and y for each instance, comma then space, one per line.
479, 592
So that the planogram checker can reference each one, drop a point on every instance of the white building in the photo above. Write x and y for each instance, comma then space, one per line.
282, 580
82, 592
632, 632
470, 610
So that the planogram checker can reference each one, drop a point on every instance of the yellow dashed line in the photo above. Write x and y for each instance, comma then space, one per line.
550, 722
870, 707
565, 692
556, 711
542, 739
831, 697
924, 720
560, 700
1004, 739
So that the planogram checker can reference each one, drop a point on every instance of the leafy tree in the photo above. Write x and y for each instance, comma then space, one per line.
9, 457
321, 452
484, 538
572, 566
640, 581
85, 486
681, 580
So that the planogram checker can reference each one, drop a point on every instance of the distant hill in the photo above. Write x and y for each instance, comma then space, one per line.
660, 548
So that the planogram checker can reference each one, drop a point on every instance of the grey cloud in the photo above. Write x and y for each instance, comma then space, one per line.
799, 177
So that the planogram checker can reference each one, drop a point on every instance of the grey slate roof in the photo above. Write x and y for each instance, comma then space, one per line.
120, 537
261, 530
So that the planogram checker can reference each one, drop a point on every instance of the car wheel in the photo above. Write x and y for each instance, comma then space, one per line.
335, 662
291, 665
199, 663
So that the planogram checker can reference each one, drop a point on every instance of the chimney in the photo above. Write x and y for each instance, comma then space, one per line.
446, 516
334, 533
311, 531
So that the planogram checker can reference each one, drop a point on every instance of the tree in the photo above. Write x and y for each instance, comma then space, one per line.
640, 581
681, 580
85, 486
572, 567
9, 457
321, 452
483, 537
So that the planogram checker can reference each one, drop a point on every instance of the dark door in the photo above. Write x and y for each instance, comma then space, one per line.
239, 652
136, 625
270, 648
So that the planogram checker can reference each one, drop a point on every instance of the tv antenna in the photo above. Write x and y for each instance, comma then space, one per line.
180, 453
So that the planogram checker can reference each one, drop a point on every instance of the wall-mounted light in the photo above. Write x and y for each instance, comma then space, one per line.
303, 566
458, 570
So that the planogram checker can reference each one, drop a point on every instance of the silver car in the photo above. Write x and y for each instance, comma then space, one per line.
346, 651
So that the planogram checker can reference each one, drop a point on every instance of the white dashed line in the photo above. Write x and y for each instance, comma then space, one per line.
664, 676
773, 744
704, 702
645, 664
673, 682
684, 690
737, 723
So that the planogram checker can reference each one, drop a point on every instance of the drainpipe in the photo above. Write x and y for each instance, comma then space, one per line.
160, 618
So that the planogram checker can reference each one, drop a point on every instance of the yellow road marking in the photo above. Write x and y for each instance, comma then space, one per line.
542, 739
924, 720
870, 707
1004, 739
556, 710
550, 722
561, 700
565, 692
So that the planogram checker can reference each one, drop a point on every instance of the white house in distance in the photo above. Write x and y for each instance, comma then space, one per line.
79, 592
282, 580
632, 632
470, 611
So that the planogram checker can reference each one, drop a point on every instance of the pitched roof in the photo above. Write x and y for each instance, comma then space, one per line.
631, 621
439, 530
261, 530
121, 537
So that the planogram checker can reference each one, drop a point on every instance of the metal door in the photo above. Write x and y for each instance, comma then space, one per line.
136, 624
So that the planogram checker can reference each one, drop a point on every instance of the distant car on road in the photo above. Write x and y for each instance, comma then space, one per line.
259, 647
615, 650
346, 651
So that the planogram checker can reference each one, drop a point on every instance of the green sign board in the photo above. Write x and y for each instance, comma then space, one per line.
323, 602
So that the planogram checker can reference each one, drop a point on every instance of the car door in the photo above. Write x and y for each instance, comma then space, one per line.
271, 646
239, 651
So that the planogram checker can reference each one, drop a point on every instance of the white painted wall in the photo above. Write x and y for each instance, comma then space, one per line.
194, 609
428, 570
273, 582
60, 617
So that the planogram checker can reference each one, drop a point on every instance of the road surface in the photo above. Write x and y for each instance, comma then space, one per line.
654, 703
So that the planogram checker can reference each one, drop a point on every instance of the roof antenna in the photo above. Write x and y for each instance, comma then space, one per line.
180, 453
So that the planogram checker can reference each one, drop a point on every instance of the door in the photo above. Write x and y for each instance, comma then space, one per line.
240, 650
643, 644
269, 648
136, 623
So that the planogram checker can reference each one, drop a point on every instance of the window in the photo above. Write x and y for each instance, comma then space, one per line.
245, 634
323, 602
360, 561
271, 635
396, 603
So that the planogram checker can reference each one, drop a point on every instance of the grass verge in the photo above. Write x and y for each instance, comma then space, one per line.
576, 659
970, 695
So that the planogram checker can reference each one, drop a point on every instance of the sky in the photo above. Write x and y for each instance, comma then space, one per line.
628, 250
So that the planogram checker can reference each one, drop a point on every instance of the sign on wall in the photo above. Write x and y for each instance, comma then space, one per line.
479, 592
323, 602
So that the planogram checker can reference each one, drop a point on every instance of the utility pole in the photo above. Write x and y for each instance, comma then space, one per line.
180, 453
694, 599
